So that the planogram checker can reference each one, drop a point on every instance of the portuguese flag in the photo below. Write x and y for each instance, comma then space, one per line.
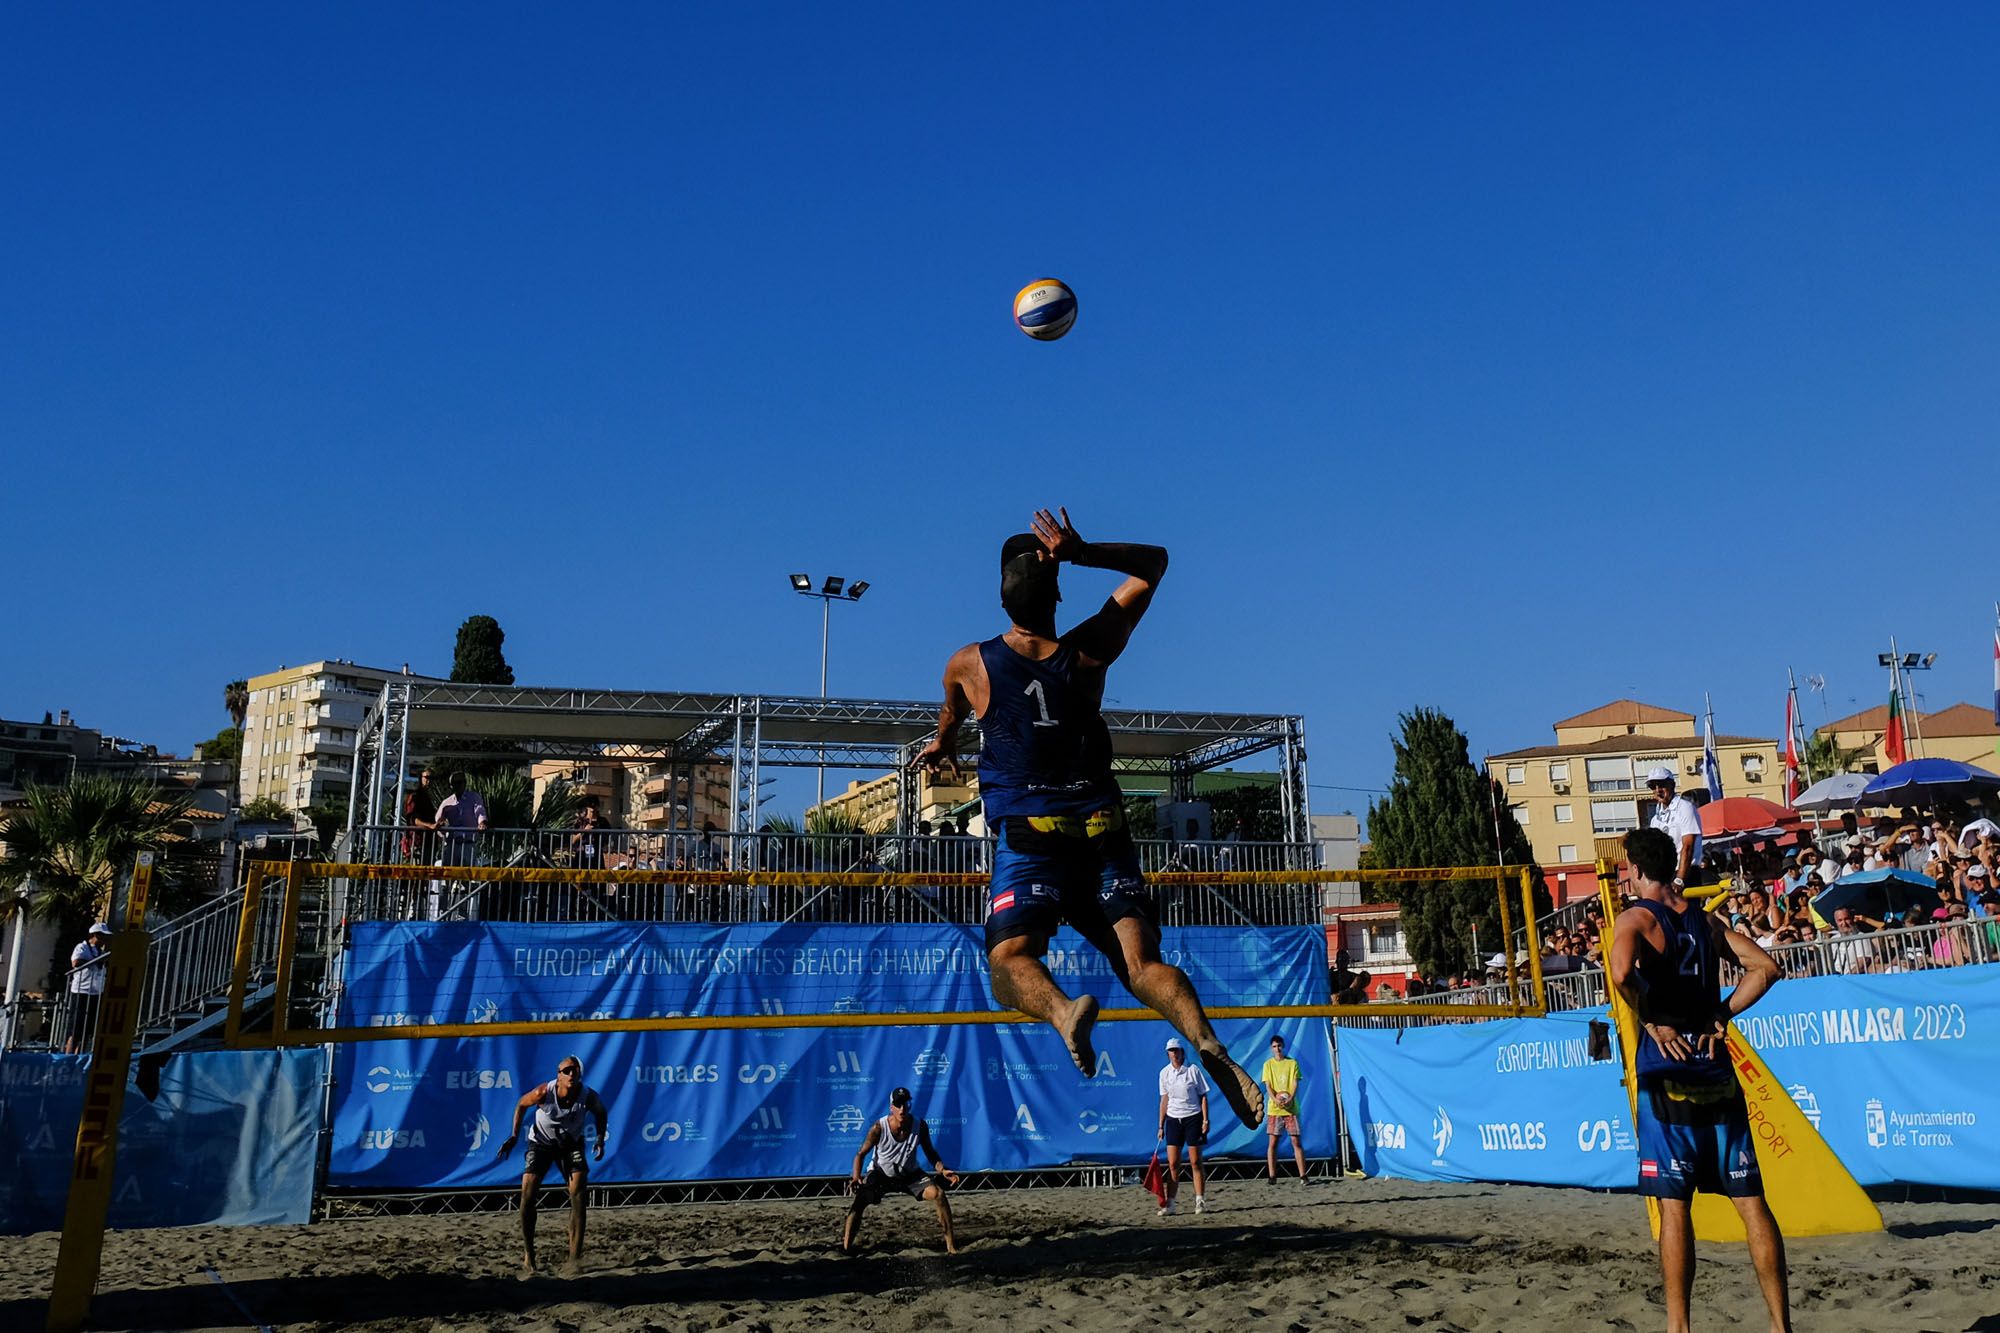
1892, 735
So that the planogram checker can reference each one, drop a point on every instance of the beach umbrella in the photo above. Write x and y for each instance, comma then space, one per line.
1744, 814
1925, 782
1834, 793
1878, 893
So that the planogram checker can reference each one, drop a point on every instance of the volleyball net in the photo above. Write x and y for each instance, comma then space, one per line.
331, 952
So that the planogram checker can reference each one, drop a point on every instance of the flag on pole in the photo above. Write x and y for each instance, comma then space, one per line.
1996, 677
1791, 747
1893, 744
1156, 1179
1710, 769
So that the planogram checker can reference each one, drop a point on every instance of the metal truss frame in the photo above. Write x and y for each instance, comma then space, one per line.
443, 721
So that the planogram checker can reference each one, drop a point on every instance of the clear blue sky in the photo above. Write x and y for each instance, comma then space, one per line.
1504, 359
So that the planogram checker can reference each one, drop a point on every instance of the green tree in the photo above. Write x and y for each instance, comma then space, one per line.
329, 820
478, 660
1440, 812
236, 703
265, 810
225, 747
76, 840
509, 794
1824, 757
1255, 802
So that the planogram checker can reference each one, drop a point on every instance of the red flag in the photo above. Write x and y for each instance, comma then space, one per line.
1156, 1179
1892, 736
1791, 749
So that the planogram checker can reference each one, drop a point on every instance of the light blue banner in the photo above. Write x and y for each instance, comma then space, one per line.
482, 972
788, 1102
229, 1137
1895, 1070
1514, 1100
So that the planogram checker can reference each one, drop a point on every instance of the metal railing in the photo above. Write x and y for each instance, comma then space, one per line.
189, 964
495, 897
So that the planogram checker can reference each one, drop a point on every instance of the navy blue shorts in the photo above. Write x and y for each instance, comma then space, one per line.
1185, 1131
1695, 1136
566, 1156
1084, 871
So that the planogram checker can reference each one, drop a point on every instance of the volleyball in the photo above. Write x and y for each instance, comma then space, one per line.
1045, 309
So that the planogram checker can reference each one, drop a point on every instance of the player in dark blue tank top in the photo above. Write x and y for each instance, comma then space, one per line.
1062, 851
1693, 1127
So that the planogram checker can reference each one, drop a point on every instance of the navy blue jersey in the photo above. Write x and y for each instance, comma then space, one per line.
1044, 749
1680, 989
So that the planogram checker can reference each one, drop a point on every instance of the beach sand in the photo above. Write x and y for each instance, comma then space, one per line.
1356, 1254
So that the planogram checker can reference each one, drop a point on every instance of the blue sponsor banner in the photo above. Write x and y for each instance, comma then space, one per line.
225, 1137
787, 1102
473, 972
1894, 1070
1514, 1100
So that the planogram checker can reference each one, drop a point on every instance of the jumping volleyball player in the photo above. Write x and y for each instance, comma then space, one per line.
1064, 852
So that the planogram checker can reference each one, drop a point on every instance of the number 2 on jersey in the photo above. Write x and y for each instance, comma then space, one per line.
1041, 704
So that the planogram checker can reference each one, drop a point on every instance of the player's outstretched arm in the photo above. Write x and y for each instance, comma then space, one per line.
868, 1143
603, 1116
1760, 970
930, 1151
1104, 636
528, 1099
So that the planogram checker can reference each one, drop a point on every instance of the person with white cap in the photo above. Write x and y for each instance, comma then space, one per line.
1183, 1122
86, 986
1677, 817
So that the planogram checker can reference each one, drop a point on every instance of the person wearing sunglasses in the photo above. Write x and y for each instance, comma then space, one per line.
555, 1138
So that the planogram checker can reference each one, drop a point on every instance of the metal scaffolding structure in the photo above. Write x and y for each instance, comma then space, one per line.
444, 721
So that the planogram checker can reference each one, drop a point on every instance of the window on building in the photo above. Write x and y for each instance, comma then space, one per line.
1753, 767
1566, 853
1642, 764
1559, 770
1384, 939
1609, 774
1520, 813
1565, 814
1516, 774
1614, 816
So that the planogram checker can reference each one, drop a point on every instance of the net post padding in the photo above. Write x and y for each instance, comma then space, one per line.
293, 874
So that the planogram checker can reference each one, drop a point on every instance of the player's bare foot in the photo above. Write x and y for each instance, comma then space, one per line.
1075, 1023
572, 1268
528, 1266
1237, 1088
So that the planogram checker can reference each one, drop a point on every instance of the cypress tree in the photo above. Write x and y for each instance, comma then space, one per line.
1440, 812
478, 660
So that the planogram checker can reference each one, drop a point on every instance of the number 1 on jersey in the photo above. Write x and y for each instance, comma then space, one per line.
1041, 704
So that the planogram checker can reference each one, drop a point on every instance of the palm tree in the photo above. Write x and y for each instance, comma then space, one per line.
236, 699
77, 839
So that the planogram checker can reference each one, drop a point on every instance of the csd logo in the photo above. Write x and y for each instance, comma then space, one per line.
760, 1073
666, 1131
1594, 1136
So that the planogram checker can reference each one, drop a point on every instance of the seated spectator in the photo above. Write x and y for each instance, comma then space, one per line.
1852, 953
1949, 950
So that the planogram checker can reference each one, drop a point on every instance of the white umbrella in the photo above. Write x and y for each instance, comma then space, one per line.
1835, 793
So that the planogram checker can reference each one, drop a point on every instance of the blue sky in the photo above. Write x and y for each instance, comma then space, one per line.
1502, 359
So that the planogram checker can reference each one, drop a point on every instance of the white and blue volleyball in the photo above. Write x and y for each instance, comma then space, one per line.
1045, 309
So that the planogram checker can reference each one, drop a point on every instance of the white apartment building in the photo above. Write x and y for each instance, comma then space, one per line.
300, 731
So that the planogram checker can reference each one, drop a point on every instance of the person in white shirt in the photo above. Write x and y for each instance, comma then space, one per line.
1183, 1122
86, 987
1681, 822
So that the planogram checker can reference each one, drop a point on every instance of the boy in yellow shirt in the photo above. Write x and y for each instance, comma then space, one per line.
1281, 1098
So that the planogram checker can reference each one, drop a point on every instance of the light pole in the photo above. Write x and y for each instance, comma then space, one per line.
1900, 666
828, 593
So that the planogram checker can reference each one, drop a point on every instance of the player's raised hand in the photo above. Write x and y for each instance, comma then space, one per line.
505, 1148
1059, 536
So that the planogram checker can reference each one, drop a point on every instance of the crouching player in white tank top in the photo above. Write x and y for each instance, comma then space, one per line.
895, 1139
555, 1138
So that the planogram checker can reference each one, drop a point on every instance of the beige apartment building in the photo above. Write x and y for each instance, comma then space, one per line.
300, 731
872, 804
1964, 732
1592, 782
643, 795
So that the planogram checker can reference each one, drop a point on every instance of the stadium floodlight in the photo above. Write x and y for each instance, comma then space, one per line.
828, 593
1885, 659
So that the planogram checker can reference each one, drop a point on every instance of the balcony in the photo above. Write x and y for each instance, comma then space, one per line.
328, 742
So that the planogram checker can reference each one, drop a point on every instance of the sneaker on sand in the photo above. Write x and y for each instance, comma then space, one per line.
1167, 1208
1200, 1204
1237, 1088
